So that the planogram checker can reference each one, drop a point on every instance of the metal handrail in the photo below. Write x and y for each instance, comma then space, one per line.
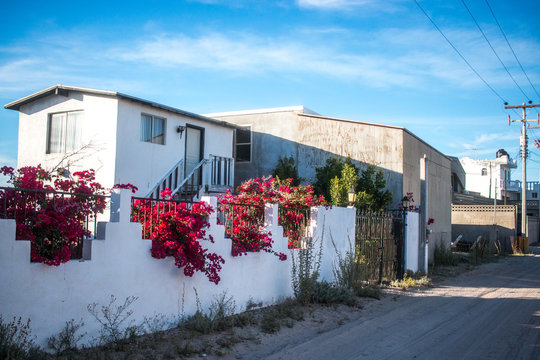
164, 178
189, 176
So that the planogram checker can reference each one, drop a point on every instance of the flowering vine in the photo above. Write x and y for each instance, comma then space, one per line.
52, 220
176, 230
244, 213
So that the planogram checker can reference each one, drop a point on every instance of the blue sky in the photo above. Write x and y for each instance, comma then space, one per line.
368, 60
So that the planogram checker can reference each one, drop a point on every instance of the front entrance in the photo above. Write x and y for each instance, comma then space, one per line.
194, 154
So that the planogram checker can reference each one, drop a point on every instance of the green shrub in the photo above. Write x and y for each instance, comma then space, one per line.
328, 294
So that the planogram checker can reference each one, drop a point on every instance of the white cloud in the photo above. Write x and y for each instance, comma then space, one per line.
335, 4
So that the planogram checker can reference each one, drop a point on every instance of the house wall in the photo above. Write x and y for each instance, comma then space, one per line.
121, 265
321, 138
439, 186
313, 139
99, 134
144, 164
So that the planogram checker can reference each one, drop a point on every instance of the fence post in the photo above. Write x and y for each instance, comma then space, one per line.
212, 201
120, 205
270, 215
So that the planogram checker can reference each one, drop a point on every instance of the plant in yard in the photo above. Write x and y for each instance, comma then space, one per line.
67, 339
286, 169
16, 341
244, 213
306, 264
217, 318
51, 211
112, 318
444, 256
177, 231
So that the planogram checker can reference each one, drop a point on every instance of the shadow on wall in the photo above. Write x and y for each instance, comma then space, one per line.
494, 233
266, 149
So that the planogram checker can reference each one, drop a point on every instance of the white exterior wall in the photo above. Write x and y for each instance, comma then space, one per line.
491, 184
143, 164
121, 265
99, 131
112, 128
412, 238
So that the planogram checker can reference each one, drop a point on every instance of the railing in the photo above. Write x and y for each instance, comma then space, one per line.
295, 223
239, 216
171, 180
23, 206
516, 185
192, 182
149, 211
221, 170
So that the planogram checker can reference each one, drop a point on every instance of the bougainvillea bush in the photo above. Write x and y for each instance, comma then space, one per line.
51, 212
176, 230
244, 213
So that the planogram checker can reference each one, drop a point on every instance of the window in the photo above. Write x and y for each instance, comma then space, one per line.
535, 195
64, 132
152, 129
484, 172
243, 144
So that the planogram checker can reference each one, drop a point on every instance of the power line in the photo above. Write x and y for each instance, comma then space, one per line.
511, 48
460, 55
493, 49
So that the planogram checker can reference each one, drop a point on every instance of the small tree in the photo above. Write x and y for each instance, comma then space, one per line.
325, 174
286, 169
371, 191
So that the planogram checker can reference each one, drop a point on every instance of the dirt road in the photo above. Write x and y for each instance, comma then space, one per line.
492, 312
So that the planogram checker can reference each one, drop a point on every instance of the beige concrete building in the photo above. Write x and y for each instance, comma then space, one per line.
311, 139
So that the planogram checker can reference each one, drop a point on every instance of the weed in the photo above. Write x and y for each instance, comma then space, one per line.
327, 293
68, 338
369, 291
411, 280
481, 252
288, 308
16, 341
444, 256
306, 266
269, 323
219, 316
111, 318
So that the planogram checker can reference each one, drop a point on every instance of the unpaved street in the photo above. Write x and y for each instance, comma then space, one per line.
492, 312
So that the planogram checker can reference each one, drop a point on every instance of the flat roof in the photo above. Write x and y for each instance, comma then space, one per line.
301, 108
64, 90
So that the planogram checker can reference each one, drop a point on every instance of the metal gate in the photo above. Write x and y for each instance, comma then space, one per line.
379, 245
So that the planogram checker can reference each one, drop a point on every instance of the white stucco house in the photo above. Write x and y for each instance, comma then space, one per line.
490, 178
125, 140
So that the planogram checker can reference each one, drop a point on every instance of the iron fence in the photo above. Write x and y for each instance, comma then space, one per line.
295, 222
24, 205
149, 211
379, 244
236, 215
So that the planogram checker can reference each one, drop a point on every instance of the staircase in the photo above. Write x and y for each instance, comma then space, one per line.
214, 174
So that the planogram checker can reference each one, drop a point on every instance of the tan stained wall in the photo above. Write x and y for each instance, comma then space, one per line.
439, 185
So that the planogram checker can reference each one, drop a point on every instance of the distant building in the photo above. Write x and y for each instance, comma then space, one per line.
489, 178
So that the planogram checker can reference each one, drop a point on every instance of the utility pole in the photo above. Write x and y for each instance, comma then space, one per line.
523, 143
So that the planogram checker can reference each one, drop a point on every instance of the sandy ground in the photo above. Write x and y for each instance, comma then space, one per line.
489, 312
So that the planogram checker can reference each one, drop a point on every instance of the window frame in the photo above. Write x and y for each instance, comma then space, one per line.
48, 146
152, 136
250, 143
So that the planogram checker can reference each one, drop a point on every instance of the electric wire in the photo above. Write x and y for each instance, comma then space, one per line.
511, 48
459, 53
493, 49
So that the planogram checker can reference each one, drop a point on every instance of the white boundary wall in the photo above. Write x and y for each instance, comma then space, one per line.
412, 238
121, 265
